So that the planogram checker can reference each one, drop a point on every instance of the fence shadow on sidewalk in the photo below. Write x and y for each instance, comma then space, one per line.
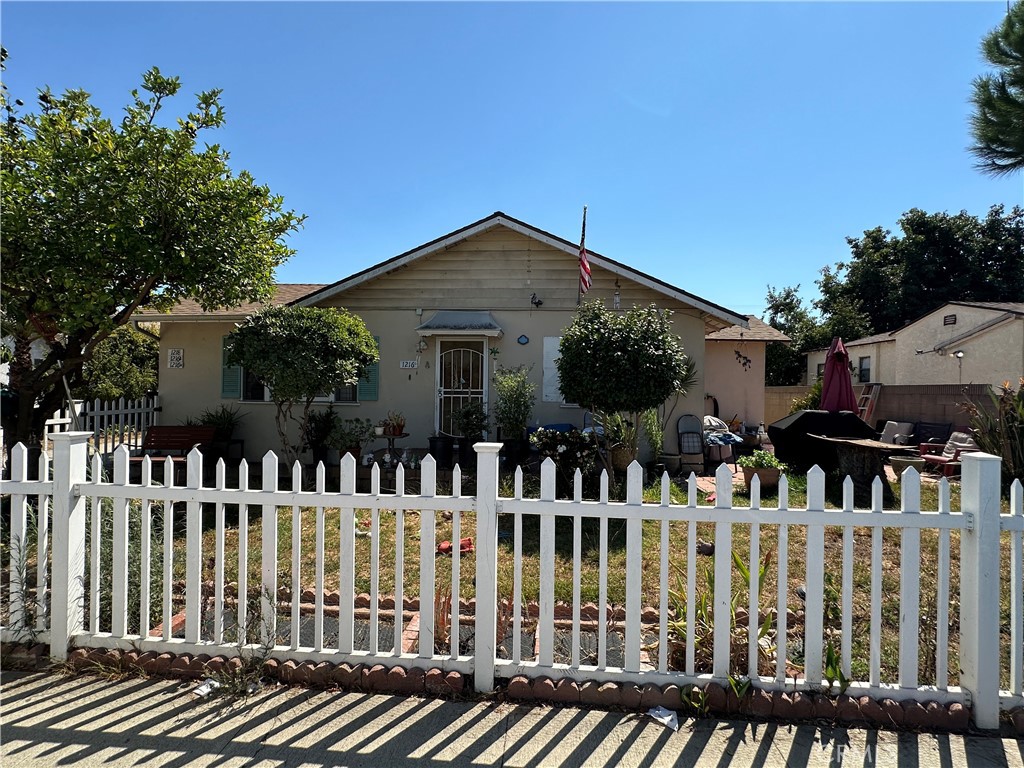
49, 720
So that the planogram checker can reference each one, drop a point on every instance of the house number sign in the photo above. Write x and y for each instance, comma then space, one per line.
408, 364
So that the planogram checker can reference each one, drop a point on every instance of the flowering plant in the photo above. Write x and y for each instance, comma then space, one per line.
569, 450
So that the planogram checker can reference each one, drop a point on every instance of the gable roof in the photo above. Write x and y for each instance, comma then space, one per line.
189, 309
1013, 307
757, 330
716, 316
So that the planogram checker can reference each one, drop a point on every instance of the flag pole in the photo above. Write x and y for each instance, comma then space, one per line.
583, 242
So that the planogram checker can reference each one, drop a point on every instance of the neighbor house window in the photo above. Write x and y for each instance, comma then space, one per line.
238, 383
347, 394
821, 370
864, 370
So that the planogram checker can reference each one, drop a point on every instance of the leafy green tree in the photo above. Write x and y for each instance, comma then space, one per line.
123, 365
997, 124
785, 365
301, 353
893, 279
103, 218
629, 362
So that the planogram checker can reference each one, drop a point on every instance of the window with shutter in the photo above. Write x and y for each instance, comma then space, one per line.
369, 386
230, 375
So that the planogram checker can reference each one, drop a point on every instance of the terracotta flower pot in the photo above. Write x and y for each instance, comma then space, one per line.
769, 476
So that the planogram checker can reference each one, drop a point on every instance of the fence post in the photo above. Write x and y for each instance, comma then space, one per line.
67, 593
979, 586
486, 565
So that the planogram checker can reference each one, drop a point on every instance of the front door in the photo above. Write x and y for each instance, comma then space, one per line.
461, 378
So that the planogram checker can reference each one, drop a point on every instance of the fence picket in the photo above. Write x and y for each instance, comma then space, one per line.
19, 542
910, 582
296, 579
753, 608
145, 551
723, 576
119, 559
95, 577
815, 584
1016, 586
242, 591
691, 592
517, 573
782, 579
399, 578
347, 560
942, 596
268, 555
634, 566
193, 549
577, 558
602, 588
846, 639
546, 619
875, 642
42, 547
319, 583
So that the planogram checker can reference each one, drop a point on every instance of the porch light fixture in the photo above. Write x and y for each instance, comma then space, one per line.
959, 355
421, 346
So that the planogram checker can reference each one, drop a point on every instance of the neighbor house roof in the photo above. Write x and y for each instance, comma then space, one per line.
1014, 307
758, 330
188, 309
716, 316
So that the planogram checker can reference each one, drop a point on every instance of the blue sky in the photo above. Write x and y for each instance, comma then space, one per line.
719, 146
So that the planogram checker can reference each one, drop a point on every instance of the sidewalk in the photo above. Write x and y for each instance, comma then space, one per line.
88, 721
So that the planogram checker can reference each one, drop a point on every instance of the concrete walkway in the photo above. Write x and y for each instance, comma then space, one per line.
88, 721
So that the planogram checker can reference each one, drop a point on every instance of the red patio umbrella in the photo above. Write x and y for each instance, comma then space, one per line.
836, 385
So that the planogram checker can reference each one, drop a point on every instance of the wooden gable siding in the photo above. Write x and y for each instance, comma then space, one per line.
498, 269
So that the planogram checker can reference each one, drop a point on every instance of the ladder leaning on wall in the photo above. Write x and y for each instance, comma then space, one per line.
866, 401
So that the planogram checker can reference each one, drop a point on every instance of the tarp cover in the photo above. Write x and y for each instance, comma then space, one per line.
794, 445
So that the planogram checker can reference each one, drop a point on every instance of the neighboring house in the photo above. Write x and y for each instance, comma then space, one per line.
873, 359
961, 342
734, 369
497, 292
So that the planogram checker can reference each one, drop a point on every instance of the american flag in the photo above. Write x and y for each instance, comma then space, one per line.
585, 279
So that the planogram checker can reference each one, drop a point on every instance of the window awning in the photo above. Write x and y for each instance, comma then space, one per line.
460, 322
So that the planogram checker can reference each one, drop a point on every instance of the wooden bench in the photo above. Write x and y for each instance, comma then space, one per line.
175, 442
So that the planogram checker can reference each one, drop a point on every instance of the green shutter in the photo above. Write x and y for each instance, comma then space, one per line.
230, 375
370, 383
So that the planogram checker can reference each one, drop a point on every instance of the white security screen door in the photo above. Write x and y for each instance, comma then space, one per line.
461, 378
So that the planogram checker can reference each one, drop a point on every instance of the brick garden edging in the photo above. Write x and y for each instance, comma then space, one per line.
717, 700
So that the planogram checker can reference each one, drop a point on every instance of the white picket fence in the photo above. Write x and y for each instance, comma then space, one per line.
632, 644
119, 422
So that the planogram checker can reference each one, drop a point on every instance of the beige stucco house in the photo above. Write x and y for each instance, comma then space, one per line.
734, 361
961, 342
446, 313
873, 359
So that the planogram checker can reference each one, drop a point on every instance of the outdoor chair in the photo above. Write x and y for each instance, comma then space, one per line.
931, 432
691, 441
896, 432
946, 458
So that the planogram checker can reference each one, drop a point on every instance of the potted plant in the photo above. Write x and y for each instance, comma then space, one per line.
764, 465
471, 421
378, 430
654, 436
441, 447
318, 435
618, 435
394, 424
350, 435
515, 396
224, 420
